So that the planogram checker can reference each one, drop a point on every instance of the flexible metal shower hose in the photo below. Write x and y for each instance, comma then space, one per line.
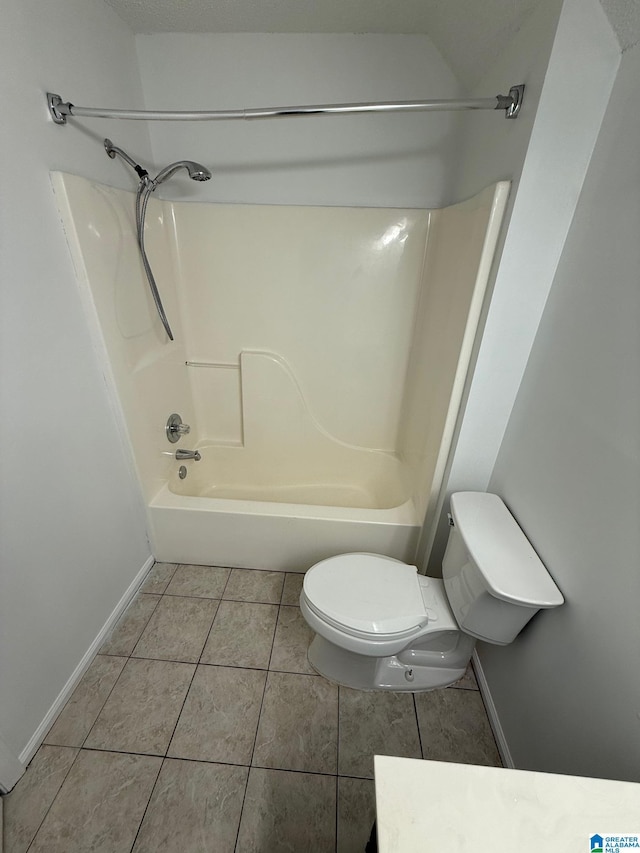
145, 188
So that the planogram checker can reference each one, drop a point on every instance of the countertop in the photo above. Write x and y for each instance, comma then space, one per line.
433, 806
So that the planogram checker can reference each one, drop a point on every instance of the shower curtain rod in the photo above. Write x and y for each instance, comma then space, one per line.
510, 103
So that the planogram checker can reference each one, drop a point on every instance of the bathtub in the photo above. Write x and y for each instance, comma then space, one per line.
281, 513
270, 535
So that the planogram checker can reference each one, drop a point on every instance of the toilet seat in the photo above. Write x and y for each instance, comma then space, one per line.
367, 636
367, 596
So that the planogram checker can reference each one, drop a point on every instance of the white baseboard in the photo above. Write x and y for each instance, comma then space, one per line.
38, 736
492, 713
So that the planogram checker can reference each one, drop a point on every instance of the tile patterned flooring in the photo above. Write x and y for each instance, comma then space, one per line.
200, 726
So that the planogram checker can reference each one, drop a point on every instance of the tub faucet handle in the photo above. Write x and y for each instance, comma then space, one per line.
175, 429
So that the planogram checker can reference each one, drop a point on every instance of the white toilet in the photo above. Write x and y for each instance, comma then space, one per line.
380, 625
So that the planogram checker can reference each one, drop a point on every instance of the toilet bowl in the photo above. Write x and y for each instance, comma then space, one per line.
379, 625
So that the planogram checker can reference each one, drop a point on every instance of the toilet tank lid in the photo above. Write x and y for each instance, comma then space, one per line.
510, 567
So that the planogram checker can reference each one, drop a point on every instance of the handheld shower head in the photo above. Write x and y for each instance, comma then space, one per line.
197, 172
146, 187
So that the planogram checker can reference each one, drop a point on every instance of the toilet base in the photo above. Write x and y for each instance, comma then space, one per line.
389, 673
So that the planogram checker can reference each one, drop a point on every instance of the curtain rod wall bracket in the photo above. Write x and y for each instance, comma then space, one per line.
511, 104
58, 109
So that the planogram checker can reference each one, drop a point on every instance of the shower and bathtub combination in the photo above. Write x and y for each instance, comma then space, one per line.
293, 393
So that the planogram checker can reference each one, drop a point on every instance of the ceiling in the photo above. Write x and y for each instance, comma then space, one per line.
624, 16
468, 33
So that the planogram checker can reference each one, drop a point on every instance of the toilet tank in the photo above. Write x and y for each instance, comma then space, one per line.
495, 581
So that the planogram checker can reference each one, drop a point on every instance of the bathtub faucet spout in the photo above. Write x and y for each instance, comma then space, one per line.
188, 454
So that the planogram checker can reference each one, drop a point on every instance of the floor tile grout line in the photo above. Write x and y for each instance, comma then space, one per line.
273, 641
175, 569
415, 711
221, 597
244, 797
335, 834
226, 583
249, 601
337, 815
187, 595
194, 597
161, 756
223, 763
264, 690
184, 701
164, 758
80, 746
200, 662
337, 765
206, 639
338, 732
356, 778
166, 660
146, 624
146, 808
291, 770
144, 627
253, 748
195, 665
286, 575
91, 728
179, 660
176, 566
44, 817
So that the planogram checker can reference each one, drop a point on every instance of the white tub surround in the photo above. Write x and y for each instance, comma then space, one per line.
319, 359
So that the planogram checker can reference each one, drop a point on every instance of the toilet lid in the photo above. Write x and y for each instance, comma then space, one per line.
367, 593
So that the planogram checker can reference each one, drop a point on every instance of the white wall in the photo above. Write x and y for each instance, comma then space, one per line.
72, 530
402, 160
547, 156
567, 692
